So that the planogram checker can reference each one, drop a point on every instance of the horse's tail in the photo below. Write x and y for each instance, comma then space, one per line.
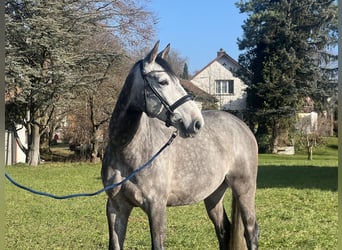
237, 239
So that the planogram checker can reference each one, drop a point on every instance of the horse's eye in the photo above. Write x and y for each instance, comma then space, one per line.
163, 82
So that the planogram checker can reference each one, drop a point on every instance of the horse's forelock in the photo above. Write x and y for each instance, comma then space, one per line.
163, 63
166, 66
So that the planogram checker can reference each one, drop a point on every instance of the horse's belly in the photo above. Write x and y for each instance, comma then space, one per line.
192, 189
175, 200
195, 176
181, 198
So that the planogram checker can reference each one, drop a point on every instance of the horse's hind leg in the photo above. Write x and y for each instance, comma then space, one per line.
217, 214
245, 198
117, 216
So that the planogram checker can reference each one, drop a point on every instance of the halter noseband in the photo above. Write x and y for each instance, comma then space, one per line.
169, 108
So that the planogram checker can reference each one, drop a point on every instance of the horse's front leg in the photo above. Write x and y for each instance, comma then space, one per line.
157, 219
117, 215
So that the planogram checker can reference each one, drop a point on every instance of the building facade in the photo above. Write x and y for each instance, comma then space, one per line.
218, 79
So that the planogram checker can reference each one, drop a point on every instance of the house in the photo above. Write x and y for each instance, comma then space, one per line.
13, 149
202, 98
218, 79
13, 152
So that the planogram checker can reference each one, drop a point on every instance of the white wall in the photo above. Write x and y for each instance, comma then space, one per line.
307, 122
13, 153
216, 71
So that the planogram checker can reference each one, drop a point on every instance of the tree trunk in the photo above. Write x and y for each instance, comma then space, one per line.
33, 157
95, 131
94, 152
310, 152
331, 132
45, 142
275, 137
95, 146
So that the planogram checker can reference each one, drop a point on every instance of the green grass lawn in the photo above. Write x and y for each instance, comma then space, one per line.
296, 208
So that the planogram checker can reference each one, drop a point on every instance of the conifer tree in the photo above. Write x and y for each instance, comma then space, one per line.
185, 74
282, 44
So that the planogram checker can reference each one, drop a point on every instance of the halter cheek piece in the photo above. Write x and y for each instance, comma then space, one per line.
169, 108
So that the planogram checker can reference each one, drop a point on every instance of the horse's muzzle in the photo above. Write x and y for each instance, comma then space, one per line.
188, 131
196, 126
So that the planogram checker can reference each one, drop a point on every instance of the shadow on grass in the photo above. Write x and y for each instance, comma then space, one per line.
333, 146
300, 177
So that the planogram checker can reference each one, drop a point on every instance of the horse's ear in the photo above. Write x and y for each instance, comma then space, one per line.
163, 54
151, 57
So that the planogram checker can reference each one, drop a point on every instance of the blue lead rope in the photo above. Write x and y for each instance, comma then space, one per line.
57, 197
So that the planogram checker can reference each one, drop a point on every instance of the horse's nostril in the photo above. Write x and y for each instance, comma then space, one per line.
197, 126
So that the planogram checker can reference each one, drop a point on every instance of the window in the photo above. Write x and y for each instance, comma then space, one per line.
225, 87
231, 87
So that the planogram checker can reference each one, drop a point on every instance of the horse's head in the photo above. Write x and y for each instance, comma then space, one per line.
165, 98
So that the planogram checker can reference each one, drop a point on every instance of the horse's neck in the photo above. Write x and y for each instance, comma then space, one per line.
128, 124
126, 116
136, 137
123, 126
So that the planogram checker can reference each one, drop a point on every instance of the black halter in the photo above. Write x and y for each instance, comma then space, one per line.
169, 108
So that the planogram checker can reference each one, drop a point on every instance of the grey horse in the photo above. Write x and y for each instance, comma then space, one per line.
215, 151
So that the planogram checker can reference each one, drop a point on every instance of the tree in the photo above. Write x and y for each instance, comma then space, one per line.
309, 134
38, 62
185, 74
46, 60
176, 62
325, 95
282, 41
93, 107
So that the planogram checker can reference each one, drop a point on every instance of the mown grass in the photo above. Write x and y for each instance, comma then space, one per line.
296, 208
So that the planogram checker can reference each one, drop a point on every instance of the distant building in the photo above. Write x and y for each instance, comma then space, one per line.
218, 79
13, 153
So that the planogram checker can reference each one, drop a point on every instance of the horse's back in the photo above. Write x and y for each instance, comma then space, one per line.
234, 135
229, 131
221, 120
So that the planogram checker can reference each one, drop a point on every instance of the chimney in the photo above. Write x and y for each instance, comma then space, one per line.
220, 52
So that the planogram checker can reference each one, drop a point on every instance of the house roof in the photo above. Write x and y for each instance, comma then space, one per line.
220, 54
200, 94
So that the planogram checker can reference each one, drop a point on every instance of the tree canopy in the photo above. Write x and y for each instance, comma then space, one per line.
51, 54
284, 44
